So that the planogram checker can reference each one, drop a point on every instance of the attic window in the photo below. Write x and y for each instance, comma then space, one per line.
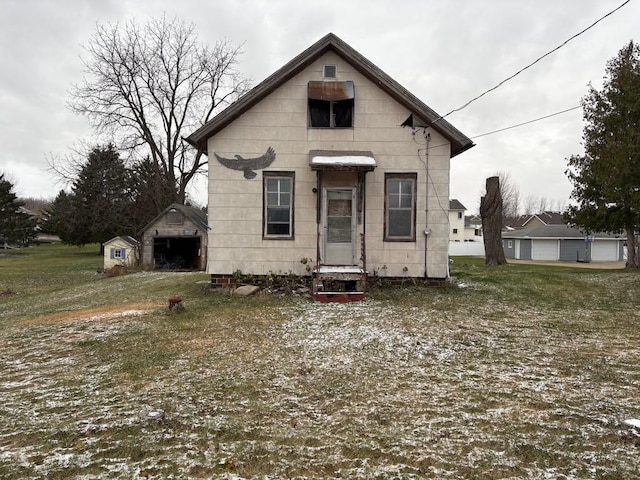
174, 217
331, 104
329, 71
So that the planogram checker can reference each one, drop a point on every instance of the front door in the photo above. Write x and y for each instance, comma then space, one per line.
339, 226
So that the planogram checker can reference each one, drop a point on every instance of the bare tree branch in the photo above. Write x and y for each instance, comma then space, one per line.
146, 86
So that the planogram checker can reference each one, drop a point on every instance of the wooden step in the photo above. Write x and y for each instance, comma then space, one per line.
339, 283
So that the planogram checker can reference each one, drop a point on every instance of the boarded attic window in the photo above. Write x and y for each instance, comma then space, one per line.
174, 217
331, 104
329, 71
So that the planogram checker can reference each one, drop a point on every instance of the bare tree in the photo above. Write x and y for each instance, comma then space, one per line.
543, 204
146, 85
529, 205
510, 194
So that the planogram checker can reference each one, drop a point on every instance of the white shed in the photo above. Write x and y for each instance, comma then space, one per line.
122, 250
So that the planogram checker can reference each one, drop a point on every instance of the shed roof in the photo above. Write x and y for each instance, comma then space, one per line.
557, 232
196, 215
331, 43
125, 238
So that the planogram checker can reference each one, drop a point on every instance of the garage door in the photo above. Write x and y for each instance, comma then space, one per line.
602, 251
544, 250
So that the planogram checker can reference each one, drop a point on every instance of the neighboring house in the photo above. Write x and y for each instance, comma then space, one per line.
561, 242
473, 228
176, 239
331, 163
456, 221
536, 220
120, 251
465, 236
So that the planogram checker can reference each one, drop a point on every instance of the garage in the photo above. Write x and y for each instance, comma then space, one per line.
544, 250
176, 253
604, 251
176, 239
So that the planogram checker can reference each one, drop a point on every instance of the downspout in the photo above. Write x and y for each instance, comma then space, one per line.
427, 138
318, 193
363, 183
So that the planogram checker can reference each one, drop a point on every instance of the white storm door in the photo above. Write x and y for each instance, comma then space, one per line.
339, 226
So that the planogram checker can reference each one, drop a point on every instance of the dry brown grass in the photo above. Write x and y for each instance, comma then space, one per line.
525, 372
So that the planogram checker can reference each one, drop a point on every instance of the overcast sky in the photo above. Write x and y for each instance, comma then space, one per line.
444, 52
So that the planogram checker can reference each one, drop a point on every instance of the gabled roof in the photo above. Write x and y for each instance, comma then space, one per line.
456, 205
472, 221
331, 43
125, 238
546, 218
550, 218
196, 215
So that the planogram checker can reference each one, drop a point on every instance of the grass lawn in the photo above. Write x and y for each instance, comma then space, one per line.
521, 371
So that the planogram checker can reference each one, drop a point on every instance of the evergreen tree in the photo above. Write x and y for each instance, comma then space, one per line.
16, 225
59, 218
99, 206
606, 179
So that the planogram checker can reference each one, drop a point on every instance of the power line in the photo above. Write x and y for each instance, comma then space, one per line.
430, 147
532, 63
526, 123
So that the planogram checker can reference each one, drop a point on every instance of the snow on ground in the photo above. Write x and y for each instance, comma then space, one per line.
310, 390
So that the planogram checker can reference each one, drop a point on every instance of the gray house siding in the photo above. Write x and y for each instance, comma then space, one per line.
573, 251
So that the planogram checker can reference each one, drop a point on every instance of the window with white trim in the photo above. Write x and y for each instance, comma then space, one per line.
400, 207
278, 204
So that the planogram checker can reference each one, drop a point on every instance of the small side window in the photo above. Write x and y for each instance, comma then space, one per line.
400, 207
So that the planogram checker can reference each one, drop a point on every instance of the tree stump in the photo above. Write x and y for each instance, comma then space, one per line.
491, 213
175, 304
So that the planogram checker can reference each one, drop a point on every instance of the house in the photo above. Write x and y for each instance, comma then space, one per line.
465, 232
176, 239
561, 242
473, 228
456, 221
329, 162
535, 220
120, 251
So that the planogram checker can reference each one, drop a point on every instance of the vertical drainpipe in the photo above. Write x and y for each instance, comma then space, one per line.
427, 138
363, 246
318, 217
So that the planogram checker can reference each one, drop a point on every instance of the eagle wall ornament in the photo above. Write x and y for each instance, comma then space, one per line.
248, 165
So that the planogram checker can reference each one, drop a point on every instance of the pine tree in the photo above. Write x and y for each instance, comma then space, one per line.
16, 225
99, 206
606, 179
